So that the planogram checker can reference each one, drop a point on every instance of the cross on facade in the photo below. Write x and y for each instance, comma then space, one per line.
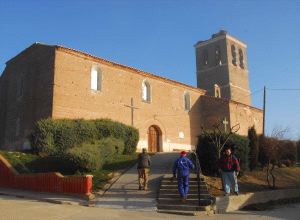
131, 106
225, 123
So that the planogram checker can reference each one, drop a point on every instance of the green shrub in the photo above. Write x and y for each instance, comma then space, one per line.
208, 152
54, 137
85, 158
110, 147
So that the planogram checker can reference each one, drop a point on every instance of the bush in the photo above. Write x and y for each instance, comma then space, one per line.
208, 152
87, 158
276, 151
253, 147
54, 137
110, 148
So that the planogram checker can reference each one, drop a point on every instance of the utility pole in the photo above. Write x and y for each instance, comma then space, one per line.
264, 111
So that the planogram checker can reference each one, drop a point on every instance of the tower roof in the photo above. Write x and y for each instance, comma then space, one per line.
222, 34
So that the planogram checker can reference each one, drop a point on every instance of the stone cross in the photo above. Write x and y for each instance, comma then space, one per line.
225, 123
131, 106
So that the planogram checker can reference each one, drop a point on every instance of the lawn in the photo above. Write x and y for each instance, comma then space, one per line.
287, 177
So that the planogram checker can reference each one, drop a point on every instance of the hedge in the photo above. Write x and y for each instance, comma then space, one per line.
208, 154
54, 137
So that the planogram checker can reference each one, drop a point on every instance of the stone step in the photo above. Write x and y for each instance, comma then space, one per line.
175, 187
176, 195
182, 207
175, 183
191, 191
189, 201
187, 213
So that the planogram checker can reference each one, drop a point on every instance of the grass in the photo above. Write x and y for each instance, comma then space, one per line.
32, 163
19, 160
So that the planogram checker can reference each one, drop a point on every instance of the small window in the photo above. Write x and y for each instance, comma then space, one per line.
96, 79
241, 58
187, 101
20, 87
218, 55
233, 53
146, 90
217, 91
205, 57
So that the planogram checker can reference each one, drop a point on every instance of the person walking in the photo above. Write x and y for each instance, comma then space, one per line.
182, 168
230, 168
143, 167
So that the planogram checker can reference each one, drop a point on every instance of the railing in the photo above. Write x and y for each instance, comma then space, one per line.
198, 172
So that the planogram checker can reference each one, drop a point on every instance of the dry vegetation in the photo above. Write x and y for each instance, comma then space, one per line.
288, 177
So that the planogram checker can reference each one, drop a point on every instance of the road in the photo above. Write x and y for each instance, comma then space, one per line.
25, 209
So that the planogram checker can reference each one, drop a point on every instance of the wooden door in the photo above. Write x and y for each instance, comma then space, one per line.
153, 139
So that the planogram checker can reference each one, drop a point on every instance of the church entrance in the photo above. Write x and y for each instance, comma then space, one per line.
154, 139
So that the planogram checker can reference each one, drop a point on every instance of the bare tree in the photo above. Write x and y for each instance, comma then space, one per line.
220, 138
280, 132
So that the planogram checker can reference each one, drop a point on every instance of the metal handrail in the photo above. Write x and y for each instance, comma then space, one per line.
198, 171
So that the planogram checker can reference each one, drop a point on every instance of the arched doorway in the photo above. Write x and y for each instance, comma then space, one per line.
154, 139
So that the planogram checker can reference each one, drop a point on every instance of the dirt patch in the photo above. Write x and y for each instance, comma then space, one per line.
255, 181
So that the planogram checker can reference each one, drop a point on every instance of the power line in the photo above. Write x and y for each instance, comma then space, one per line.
284, 89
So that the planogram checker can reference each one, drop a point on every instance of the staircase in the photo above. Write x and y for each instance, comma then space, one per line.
169, 200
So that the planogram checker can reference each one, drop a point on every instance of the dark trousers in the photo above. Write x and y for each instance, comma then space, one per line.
183, 185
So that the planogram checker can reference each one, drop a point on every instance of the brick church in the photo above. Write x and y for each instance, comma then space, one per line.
51, 81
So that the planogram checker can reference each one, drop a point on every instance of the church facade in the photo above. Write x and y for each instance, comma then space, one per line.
50, 81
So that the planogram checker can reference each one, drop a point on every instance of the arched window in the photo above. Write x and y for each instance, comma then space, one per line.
217, 91
187, 101
205, 57
218, 55
146, 91
233, 54
241, 58
96, 79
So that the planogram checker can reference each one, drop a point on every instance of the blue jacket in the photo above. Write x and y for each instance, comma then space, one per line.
183, 165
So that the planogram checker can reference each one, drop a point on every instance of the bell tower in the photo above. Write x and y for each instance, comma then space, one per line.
221, 63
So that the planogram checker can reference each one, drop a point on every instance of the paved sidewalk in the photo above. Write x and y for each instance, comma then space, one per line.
124, 193
56, 198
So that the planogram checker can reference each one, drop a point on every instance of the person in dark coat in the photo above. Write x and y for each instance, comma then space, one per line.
230, 168
182, 168
143, 167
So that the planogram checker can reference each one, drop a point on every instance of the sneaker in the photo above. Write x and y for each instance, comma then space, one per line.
236, 193
140, 188
226, 194
183, 199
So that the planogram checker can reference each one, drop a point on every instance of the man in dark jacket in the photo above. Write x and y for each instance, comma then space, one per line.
182, 167
230, 168
143, 167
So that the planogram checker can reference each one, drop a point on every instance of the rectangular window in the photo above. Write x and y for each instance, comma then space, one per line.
94, 80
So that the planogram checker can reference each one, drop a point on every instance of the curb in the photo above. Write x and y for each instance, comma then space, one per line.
234, 203
39, 197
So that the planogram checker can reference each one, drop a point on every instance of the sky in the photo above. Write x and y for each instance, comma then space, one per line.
157, 36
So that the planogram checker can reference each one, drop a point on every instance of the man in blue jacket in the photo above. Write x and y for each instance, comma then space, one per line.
182, 166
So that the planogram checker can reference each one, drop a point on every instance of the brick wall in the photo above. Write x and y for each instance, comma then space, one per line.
73, 98
44, 182
34, 67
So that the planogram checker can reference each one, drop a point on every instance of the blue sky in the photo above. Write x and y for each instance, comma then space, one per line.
158, 36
